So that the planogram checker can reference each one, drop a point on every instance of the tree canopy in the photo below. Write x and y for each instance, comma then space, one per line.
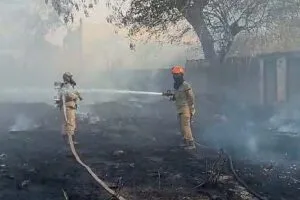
216, 23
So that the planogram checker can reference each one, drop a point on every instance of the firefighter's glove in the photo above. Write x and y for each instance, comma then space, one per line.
193, 111
172, 98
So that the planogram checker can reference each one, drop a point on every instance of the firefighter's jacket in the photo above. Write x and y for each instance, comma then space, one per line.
185, 99
71, 95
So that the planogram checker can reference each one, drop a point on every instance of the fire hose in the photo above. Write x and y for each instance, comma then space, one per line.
114, 194
90, 171
250, 190
236, 176
97, 179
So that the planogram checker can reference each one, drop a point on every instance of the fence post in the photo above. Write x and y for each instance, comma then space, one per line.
261, 82
281, 71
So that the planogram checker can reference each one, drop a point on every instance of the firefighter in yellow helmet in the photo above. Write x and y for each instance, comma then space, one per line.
184, 99
70, 96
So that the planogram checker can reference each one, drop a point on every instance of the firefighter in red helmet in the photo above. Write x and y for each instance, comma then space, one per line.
184, 99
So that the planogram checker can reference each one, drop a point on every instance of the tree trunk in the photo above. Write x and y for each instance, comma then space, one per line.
194, 16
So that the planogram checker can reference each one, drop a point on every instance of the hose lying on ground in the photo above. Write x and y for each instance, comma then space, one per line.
102, 183
239, 180
113, 193
251, 191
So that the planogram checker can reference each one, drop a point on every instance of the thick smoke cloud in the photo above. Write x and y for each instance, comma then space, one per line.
33, 53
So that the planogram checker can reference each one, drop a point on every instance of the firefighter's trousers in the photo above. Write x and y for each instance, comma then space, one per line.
185, 124
69, 124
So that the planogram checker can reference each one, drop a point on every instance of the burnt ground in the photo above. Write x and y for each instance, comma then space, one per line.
137, 153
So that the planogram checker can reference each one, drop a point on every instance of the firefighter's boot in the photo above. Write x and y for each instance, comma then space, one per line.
190, 145
74, 141
184, 143
66, 139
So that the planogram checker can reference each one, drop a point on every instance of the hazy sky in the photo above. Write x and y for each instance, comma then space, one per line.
103, 49
107, 49
97, 16
36, 64
96, 27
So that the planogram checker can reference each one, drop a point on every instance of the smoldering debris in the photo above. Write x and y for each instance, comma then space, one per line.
23, 123
286, 119
273, 135
89, 117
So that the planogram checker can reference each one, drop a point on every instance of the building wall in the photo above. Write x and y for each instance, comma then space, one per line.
293, 77
281, 77
246, 80
267, 79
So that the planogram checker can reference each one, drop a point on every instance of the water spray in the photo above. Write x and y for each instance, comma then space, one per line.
83, 91
45, 91
112, 91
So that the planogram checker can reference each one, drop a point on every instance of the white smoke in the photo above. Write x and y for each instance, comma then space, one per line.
252, 145
286, 121
85, 113
23, 123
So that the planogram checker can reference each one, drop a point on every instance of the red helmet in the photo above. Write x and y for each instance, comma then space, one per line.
177, 70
